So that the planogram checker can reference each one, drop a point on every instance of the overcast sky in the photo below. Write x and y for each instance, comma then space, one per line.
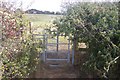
47, 5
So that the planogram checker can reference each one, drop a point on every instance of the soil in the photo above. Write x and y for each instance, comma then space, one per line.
56, 69
47, 71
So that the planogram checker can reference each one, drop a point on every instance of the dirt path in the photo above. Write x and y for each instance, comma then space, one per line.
46, 71
59, 69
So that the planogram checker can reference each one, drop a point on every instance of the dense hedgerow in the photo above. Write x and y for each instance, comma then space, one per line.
95, 24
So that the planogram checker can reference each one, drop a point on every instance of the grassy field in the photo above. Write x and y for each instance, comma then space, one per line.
42, 20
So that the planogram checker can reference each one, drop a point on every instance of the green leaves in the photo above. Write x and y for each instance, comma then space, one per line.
19, 55
97, 25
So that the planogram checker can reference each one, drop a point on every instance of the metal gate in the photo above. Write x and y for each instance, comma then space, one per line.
56, 48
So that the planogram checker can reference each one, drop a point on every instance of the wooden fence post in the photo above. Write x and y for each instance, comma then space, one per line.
30, 28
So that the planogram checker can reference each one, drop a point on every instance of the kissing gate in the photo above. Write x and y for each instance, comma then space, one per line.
56, 48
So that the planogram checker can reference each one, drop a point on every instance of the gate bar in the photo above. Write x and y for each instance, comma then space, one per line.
57, 41
73, 53
68, 50
50, 59
44, 48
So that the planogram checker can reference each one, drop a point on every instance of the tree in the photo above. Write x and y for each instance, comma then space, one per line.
97, 25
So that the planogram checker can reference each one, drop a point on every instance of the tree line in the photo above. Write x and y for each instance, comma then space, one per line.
35, 11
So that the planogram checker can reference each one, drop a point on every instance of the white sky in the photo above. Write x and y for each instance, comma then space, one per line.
47, 5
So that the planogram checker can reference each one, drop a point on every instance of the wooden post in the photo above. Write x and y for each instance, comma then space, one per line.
30, 27
30, 30
75, 42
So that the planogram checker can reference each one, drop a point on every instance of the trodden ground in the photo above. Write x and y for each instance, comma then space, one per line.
47, 71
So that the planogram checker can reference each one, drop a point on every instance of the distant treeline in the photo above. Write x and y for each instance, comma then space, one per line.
34, 11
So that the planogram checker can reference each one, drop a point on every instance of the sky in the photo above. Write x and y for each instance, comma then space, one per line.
44, 5
47, 5
50, 5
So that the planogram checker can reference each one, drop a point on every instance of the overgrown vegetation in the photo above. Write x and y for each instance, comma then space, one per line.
19, 54
95, 24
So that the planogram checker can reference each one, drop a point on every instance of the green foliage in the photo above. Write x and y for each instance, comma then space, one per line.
21, 63
96, 24
19, 54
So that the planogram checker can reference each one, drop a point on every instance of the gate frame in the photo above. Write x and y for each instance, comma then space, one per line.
57, 45
45, 42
